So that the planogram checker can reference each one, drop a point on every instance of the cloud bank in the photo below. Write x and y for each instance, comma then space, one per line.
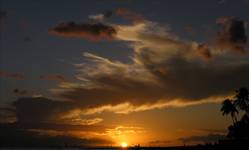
164, 71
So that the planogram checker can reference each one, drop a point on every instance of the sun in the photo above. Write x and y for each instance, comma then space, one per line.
124, 144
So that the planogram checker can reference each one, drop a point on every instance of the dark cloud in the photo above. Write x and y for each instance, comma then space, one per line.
94, 31
210, 138
27, 39
56, 126
160, 142
39, 123
20, 91
232, 35
193, 81
17, 76
176, 78
118, 89
214, 131
40, 109
25, 92
108, 14
55, 77
204, 51
3, 14
46, 113
17, 137
7, 115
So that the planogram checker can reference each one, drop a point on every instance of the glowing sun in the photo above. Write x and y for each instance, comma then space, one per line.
124, 144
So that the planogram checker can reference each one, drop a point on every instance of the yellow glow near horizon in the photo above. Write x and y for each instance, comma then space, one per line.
124, 144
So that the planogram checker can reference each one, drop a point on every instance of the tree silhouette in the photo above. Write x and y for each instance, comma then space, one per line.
229, 108
239, 129
242, 99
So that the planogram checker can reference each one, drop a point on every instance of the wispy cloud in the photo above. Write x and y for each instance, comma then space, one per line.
123, 13
55, 77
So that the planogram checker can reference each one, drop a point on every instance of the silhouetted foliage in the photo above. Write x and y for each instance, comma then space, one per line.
229, 108
239, 129
242, 99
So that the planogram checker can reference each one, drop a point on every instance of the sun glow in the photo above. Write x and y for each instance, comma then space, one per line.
124, 144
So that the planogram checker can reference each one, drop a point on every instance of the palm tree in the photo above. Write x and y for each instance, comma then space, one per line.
242, 99
229, 108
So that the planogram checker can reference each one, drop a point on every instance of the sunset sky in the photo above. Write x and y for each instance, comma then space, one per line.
103, 72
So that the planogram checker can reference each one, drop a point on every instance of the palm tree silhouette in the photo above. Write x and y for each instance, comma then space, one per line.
229, 108
239, 129
242, 99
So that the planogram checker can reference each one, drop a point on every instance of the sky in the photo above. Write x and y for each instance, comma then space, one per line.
103, 72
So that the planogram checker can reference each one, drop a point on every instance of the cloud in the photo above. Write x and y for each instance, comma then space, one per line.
119, 12
58, 127
232, 35
17, 76
97, 17
24, 92
55, 77
77, 120
213, 131
20, 91
101, 17
164, 71
38, 118
123, 132
40, 109
129, 15
210, 138
27, 39
7, 115
94, 31
204, 51
126, 108
159, 142
221, 1
3, 16
17, 137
